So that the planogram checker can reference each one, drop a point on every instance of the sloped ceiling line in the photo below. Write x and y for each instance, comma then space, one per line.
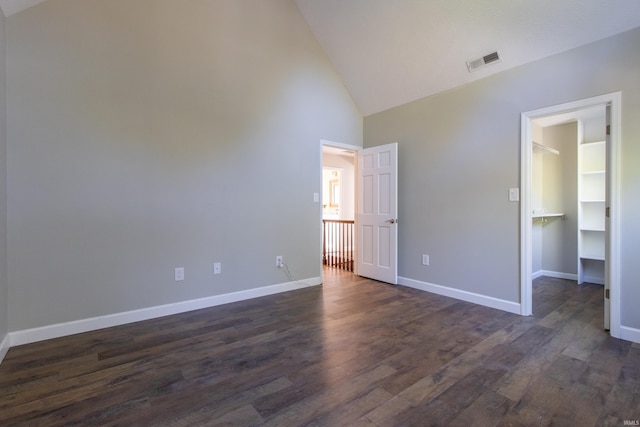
11, 7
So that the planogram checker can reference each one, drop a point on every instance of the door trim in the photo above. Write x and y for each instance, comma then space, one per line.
526, 249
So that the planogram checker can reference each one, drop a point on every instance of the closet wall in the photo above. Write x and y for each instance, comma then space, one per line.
554, 190
536, 200
560, 193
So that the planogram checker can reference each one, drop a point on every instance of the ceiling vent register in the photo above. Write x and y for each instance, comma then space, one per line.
476, 64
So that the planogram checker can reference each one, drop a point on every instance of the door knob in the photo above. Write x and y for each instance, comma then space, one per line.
391, 221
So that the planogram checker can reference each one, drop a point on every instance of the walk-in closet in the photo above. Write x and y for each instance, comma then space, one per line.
568, 196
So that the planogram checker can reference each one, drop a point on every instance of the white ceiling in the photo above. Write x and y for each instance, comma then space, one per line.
390, 52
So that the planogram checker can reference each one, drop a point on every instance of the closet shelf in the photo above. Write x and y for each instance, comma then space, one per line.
548, 215
538, 146
595, 257
592, 177
546, 218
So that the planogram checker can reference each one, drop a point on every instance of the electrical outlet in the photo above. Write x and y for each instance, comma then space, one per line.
217, 268
425, 259
179, 274
279, 261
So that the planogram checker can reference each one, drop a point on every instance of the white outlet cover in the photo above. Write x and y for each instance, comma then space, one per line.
179, 274
217, 268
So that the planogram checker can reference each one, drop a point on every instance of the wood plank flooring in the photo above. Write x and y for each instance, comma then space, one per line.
353, 352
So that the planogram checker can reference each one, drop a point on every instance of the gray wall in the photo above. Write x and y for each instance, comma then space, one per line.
560, 194
145, 135
3, 184
459, 153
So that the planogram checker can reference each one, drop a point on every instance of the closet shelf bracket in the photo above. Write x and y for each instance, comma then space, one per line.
538, 146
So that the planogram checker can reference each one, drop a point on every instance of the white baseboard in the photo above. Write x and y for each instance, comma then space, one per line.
85, 325
4, 347
500, 304
556, 274
568, 276
630, 334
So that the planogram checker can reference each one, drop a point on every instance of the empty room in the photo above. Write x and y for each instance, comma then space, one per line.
312, 212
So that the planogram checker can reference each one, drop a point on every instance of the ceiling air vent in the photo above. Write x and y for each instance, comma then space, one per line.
476, 64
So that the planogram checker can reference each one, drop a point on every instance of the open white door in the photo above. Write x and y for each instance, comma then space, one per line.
377, 214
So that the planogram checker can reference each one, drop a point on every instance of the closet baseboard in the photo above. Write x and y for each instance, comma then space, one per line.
554, 274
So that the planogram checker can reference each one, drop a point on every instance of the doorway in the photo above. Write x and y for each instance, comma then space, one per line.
374, 247
338, 206
531, 210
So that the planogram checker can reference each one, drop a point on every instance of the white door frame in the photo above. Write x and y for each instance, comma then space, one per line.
355, 149
526, 248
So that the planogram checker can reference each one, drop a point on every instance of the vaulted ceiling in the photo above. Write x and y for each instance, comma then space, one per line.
11, 7
390, 52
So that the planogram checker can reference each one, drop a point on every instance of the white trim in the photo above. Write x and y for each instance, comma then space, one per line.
349, 147
614, 220
630, 334
555, 274
500, 304
4, 347
526, 218
526, 258
85, 325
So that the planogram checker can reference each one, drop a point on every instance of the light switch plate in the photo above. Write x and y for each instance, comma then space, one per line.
217, 268
514, 194
316, 197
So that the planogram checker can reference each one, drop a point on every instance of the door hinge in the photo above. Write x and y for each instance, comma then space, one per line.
607, 294
606, 211
608, 129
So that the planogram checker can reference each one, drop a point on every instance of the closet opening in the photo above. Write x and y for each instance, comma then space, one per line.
569, 192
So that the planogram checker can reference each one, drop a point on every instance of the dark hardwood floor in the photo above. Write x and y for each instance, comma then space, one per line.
353, 352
